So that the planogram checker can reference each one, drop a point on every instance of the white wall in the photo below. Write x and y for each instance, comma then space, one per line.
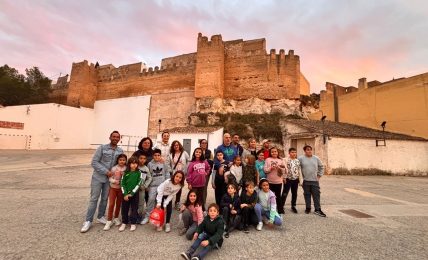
129, 116
51, 126
397, 156
214, 139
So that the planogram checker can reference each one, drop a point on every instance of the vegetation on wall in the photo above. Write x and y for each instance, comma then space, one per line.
311, 100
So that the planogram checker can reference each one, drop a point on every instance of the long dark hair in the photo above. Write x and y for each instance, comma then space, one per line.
131, 159
188, 203
270, 152
202, 158
171, 150
182, 179
140, 144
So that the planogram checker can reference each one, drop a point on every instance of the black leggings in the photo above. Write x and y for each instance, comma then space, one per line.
276, 188
168, 209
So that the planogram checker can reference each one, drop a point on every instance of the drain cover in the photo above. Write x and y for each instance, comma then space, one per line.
355, 213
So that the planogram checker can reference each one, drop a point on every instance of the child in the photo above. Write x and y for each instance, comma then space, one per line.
219, 185
293, 178
248, 200
145, 182
197, 171
260, 164
266, 206
209, 234
235, 173
115, 194
191, 215
276, 171
130, 183
160, 172
249, 172
231, 208
166, 191
177, 160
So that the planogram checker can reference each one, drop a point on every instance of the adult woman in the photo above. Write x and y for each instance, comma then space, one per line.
177, 160
145, 146
208, 155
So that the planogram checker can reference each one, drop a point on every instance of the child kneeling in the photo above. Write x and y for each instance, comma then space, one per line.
209, 234
266, 206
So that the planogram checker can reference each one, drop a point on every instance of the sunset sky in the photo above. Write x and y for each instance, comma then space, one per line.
337, 41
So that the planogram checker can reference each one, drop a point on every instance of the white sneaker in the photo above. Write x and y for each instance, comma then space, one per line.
122, 227
167, 228
116, 222
159, 229
86, 226
259, 226
145, 221
108, 225
102, 220
133, 227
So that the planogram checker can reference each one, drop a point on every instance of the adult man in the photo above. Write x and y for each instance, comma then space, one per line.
265, 148
312, 170
235, 143
229, 150
102, 162
164, 145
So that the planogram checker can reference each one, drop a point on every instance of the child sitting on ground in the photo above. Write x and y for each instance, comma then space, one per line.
208, 235
191, 215
166, 191
248, 200
231, 208
266, 206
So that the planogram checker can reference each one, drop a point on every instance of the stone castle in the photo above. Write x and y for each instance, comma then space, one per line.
235, 71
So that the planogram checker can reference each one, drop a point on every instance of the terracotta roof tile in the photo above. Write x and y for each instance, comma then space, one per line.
193, 129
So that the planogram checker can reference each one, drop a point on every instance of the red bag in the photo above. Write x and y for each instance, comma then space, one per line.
157, 217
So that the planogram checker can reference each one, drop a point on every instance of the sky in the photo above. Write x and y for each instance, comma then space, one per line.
338, 41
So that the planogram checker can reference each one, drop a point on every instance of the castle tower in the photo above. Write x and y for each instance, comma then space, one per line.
209, 75
82, 90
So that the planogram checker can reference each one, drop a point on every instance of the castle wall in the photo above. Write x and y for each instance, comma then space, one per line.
82, 88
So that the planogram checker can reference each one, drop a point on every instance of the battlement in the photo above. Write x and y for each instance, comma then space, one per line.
216, 41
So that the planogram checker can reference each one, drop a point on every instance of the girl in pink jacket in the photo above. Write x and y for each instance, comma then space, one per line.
197, 172
276, 171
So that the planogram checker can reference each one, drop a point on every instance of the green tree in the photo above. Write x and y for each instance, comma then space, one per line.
17, 89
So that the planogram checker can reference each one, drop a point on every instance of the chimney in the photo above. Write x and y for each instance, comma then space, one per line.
362, 83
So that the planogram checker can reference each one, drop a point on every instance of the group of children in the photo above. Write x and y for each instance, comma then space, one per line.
248, 191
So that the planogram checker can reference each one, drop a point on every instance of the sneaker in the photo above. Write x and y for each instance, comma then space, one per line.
122, 227
320, 213
246, 230
195, 258
259, 226
281, 215
177, 206
226, 235
117, 222
167, 227
102, 220
182, 231
159, 229
186, 255
86, 226
294, 210
108, 225
145, 221
308, 210
133, 227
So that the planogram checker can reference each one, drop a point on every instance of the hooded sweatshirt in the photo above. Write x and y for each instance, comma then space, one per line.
268, 202
197, 172
214, 228
167, 188
159, 173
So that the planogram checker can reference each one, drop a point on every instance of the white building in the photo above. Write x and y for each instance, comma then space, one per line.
349, 149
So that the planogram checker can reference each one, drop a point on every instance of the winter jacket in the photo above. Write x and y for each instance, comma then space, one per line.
214, 229
197, 213
227, 200
130, 182
197, 172
167, 188
250, 200
271, 201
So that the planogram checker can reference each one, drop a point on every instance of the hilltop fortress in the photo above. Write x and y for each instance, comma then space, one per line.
219, 72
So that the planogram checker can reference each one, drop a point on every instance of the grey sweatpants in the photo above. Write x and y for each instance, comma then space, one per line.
312, 188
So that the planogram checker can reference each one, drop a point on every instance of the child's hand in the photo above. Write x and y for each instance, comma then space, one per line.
195, 236
189, 186
109, 174
318, 177
233, 212
270, 224
126, 198
244, 205
213, 185
205, 243
158, 206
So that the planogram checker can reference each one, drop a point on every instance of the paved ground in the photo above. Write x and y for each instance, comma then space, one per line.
43, 206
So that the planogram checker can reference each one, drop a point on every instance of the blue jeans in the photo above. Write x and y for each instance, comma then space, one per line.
97, 189
260, 212
202, 253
